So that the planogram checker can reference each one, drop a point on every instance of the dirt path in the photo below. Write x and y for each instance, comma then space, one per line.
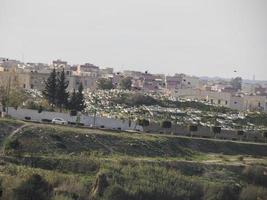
12, 134
16, 131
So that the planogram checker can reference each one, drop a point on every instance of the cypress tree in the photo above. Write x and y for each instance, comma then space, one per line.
61, 93
80, 106
51, 88
73, 101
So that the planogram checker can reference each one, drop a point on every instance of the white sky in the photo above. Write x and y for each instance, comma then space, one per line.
198, 37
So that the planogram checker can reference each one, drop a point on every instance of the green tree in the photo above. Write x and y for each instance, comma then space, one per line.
166, 124
143, 122
73, 101
265, 136
50, 91
80, 99
16, 98
32, 189
216, 130
236, 83
61, 90
193, 128
126, 83
77, 101
104, 84
3, 97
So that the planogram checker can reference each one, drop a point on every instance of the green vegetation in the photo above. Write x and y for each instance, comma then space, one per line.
50, 91
61, 90
259, 119
63, 163
104, 84
138, 99
34, 187
77, 102
125, 83
56, 94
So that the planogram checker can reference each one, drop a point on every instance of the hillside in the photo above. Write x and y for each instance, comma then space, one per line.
81, 163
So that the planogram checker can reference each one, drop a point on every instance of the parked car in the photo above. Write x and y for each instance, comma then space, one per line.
59, 121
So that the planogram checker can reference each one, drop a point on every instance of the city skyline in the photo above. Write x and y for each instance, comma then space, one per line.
201, 38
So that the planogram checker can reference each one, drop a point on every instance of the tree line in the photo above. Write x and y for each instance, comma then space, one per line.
107, 84
57, 95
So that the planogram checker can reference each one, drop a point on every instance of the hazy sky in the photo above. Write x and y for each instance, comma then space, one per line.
199, 37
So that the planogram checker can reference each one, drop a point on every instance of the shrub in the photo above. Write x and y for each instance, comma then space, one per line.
166, 124
61, 197
256, 175
116, 192
11, 144
100, 185
40, 109
253, 193
193, 128
216, 129
220, 192
73, 113
1, 189
240, 132
33, 188
143, 122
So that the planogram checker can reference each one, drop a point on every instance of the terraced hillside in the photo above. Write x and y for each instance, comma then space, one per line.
78, 163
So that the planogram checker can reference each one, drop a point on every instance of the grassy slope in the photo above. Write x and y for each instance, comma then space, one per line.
147, 166
46, 139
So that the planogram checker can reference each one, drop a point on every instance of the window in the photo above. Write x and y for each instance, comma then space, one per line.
226, 102
219, 101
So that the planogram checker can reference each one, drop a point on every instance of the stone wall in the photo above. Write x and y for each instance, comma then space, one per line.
84, 119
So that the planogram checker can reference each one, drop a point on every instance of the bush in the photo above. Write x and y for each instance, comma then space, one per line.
136, 99
216, 129
166, 124
253, 193
12, 144
1, 189
32, 189
116, 192
240, 132
143, 122
221, 192
256, 175
61, 197
73, 113
40, 109
193, 128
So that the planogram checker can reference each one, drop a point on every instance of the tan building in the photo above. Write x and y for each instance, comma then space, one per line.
239, 102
